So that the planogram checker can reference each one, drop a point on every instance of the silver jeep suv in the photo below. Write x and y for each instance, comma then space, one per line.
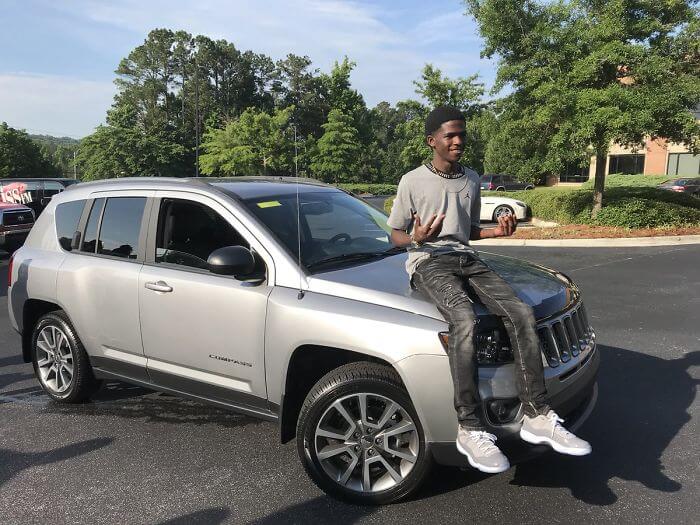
284, 300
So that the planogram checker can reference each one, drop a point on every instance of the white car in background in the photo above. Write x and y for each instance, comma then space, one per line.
494, 207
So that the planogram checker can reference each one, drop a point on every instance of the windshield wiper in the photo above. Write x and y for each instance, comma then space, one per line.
348, 257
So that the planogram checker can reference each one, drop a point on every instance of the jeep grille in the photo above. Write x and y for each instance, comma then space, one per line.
564, 336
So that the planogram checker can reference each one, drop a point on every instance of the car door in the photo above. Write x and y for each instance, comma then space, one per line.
98, 281
203, 333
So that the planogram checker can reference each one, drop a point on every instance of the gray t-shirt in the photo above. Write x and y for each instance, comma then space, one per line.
427, 194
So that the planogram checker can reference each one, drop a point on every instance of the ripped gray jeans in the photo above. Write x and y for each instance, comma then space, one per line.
452, 280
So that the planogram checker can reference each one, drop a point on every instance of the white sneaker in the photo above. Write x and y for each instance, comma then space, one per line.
546, 429
481, 451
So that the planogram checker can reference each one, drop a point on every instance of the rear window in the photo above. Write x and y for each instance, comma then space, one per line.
67, 218
121, 226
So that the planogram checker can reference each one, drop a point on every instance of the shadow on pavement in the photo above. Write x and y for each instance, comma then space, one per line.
317, 510
132, 402
642, 405
3, 274
13, 462
11, 360
209, 516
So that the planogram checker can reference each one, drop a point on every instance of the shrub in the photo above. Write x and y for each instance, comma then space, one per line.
635, 212
374, 189
625, 207
616, 180
388, 204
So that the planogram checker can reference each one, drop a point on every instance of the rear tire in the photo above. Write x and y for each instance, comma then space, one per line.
368, 456
502, 210
60, 361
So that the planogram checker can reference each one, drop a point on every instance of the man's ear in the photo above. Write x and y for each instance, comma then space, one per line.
430, 141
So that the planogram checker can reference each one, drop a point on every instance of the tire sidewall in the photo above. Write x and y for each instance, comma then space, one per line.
312, 464
80, 364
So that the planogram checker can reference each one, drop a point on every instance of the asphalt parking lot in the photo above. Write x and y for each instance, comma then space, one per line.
134, 456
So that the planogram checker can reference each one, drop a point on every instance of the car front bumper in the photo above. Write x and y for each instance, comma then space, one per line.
573, 397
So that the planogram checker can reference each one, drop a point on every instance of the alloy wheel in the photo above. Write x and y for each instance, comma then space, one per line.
366, 442
54, 359
502, 211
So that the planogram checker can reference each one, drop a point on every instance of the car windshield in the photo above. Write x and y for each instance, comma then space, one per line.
336, 228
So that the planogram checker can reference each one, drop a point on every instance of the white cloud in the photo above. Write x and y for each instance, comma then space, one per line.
388, 57
53, 105
387, 60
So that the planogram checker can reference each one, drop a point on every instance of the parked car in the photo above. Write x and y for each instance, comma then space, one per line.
494, 207
502, 182
208, 289
33, 192
684, 185
15, 222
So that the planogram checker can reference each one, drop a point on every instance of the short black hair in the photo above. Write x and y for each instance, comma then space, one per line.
440, 115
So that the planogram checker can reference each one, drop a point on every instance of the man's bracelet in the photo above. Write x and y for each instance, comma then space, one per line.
415, 243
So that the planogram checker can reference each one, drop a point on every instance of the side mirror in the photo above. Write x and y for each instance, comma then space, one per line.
231, 260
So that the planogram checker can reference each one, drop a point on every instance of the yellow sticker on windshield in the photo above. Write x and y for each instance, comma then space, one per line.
269, 204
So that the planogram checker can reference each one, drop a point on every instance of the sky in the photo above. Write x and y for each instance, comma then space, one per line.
58, 57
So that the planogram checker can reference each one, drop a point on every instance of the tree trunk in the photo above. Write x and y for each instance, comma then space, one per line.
601, 158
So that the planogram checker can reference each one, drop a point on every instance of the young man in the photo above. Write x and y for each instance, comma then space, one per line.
442, 202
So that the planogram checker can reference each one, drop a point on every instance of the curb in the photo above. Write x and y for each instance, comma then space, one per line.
584, 243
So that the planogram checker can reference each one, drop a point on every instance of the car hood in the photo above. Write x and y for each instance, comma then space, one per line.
385, 282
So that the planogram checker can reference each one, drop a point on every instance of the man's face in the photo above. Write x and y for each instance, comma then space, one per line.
447, 142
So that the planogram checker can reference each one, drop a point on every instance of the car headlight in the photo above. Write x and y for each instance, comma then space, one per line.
521, 204
492, 346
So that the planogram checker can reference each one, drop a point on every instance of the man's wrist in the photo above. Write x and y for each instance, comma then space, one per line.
415, 243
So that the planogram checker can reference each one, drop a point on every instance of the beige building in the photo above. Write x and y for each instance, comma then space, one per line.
655, 157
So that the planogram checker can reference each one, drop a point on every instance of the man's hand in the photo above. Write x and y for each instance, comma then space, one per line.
506, 226
428, 231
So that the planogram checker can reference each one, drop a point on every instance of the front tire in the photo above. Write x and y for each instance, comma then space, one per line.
359, 437
60, 361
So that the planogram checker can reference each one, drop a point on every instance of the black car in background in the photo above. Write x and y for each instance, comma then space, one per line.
682, 185
34, 193
493, 182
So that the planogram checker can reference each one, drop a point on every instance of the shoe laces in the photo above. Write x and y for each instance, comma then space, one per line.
484, 441
556, 421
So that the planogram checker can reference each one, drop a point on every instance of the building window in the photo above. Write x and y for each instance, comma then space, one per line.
575, 173
627, 164
683, 164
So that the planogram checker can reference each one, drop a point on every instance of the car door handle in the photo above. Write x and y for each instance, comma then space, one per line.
160, 286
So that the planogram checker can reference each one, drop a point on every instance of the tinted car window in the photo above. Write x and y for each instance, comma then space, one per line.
67, 218
188, 232
52, 188
90, 237
121, 225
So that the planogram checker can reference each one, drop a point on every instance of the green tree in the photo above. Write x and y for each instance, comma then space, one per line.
302, 87
20, 156
338, 158
113, 151
587, 73
463, 93
256, 143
